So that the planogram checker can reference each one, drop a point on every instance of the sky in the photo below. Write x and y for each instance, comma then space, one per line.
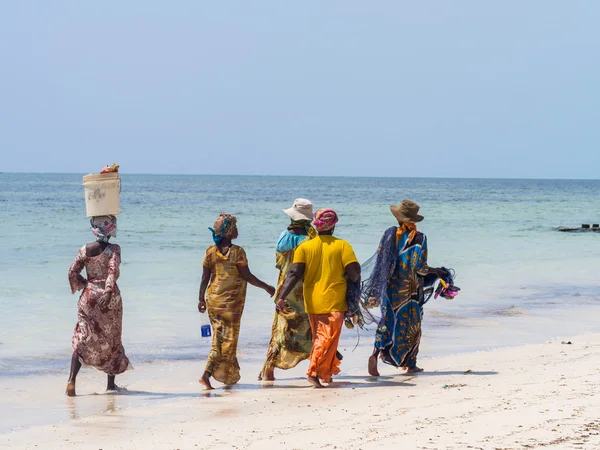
458, 88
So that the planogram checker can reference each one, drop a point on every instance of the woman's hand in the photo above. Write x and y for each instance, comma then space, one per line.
202, 305
270, 290
104, 299
280, 305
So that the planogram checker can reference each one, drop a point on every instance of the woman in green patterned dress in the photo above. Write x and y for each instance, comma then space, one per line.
291, 339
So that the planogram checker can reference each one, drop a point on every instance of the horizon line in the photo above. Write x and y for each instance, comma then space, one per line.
309, 176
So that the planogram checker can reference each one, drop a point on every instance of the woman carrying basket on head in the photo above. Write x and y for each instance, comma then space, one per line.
97, 334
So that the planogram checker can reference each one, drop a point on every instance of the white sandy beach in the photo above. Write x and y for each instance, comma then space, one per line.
534, 396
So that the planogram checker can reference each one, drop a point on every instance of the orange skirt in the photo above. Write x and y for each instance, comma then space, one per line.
326, 331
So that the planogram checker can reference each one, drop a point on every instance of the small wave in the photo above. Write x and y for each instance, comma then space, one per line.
510, 311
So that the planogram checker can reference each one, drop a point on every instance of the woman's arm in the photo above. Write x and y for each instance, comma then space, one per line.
438, 271
114, 270
206, 273
353, 271
76, 281
114, 264
250, 278
294, 275
422, 267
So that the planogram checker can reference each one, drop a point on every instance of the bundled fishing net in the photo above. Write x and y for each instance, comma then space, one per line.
376, 273
445, 287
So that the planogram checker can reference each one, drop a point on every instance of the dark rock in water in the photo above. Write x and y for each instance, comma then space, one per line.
583, 227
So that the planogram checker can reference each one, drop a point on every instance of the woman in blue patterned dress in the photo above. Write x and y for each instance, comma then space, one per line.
396, 284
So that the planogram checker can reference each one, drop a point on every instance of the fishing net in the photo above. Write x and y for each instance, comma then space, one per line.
376, 272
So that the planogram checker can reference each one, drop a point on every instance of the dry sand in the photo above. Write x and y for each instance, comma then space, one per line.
534, 396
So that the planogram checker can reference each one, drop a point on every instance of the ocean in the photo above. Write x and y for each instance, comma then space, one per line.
522, 281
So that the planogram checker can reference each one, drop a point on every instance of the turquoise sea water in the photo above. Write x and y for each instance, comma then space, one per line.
522, 280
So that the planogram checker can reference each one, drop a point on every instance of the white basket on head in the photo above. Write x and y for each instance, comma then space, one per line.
102, 194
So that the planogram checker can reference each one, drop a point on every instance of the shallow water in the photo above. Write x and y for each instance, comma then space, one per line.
521, 279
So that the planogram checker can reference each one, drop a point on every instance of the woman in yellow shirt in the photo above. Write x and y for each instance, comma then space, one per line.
324, 263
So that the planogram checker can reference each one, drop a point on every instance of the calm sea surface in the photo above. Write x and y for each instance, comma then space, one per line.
522, 280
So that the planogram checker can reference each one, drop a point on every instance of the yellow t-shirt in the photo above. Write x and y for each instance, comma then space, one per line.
326, 258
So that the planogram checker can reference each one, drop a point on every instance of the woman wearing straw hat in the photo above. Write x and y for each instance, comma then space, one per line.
291, 340
396, 284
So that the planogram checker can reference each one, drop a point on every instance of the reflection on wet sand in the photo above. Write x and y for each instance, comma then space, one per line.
110, 405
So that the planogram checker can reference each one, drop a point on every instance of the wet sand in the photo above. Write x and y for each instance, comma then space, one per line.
534, 396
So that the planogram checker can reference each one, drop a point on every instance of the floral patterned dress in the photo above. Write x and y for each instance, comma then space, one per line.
97, 335
399, 333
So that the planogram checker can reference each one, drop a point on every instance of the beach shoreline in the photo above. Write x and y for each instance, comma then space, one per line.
531, 396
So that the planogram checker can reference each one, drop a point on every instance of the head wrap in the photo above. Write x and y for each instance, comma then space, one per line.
104, 227
325, 219
223, 227
310, 231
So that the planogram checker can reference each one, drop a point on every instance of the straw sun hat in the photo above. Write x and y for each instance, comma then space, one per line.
302, 209
407, 211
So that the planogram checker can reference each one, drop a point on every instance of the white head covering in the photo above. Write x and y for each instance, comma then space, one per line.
302, 209
104, 227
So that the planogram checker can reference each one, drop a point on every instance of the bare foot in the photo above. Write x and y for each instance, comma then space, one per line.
267, 375
70, 389
315, 382
373, 366
204, 381
115, 388
414, 370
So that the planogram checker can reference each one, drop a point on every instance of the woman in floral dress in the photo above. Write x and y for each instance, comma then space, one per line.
97, 335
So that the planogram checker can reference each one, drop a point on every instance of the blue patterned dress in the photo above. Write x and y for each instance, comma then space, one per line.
399, 332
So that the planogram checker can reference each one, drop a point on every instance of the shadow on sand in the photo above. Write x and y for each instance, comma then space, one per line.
423, 374
451, 372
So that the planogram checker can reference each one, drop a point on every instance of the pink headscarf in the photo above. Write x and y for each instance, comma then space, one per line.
325, 219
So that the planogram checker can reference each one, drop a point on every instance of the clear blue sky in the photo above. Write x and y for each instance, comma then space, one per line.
392, 88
